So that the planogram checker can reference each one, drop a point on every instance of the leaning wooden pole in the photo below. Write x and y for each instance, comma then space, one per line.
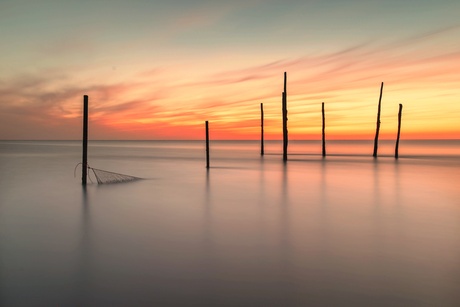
207, 144
262, 151
84, 168
376, 140
323, 130
399, 131
285, 130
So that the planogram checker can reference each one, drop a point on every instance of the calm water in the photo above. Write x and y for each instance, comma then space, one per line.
347, 230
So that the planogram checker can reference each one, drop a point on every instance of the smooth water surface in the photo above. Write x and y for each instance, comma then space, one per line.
346, 230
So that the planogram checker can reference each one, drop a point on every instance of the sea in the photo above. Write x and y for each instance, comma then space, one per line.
342, 230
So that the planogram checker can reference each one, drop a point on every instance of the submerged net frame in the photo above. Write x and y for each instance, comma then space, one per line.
104, 177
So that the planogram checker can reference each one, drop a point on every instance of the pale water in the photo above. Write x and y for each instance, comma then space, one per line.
347, 230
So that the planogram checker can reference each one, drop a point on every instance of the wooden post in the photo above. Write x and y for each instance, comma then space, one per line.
285, 130
207, 144
376, 140
84, 167
262, 151
324, 130
399, 131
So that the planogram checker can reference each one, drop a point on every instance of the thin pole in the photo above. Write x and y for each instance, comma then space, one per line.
376, 140
207, 144
399, 131
84, 167
262, 129
324, 130
285, 119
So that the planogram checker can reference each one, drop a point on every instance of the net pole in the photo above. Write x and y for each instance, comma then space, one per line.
285, 119
399, 131
84, 168
323, 129
207, 144
377, 130
262, 129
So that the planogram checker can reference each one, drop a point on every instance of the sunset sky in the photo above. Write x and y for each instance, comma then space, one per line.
159, 69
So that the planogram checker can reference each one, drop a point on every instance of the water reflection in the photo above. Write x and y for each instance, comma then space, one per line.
397, 183
335, 231
324, 210
286, 272
83, 264
208, 240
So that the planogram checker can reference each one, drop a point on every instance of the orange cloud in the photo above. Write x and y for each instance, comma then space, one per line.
171, 102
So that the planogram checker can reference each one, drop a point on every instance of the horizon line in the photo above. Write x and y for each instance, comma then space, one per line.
219, 140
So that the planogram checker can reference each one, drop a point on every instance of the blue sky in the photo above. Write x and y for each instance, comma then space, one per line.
187, 61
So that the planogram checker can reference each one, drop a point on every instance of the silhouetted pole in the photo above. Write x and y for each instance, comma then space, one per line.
84, 167
285, 130
376, 140
262, 129
207, 144
399, 131
324, 130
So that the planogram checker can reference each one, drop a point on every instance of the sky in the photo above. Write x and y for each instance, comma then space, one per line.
157, 70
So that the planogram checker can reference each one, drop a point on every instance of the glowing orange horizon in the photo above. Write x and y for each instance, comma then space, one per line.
149, 107
224, 131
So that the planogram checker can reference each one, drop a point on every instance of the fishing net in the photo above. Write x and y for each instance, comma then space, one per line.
103, 177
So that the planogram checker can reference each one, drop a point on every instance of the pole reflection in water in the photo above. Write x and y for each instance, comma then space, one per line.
84, 257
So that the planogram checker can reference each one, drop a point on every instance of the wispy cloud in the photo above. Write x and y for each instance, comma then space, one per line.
160, 98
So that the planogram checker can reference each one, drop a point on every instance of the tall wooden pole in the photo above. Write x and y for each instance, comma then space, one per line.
285, 130
84, 168
262, 151
207, 144
324, 130
399, 131
376, 140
